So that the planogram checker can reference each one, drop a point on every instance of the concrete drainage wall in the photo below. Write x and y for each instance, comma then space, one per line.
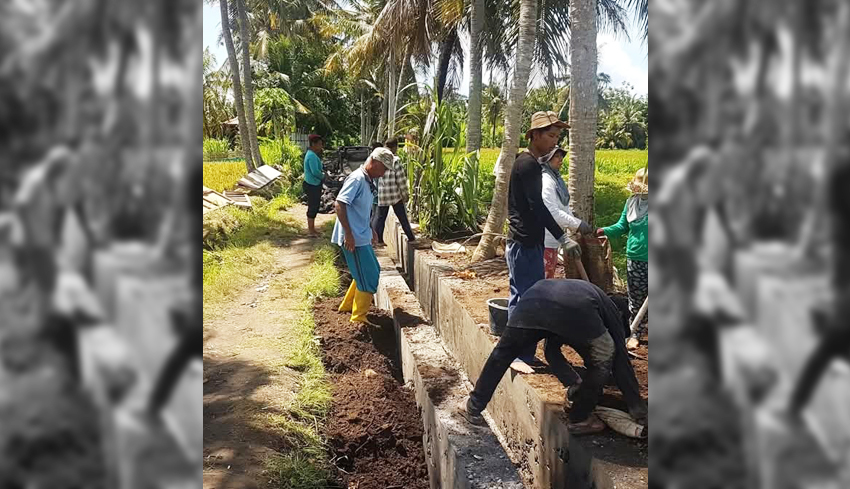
527, 410
459, 455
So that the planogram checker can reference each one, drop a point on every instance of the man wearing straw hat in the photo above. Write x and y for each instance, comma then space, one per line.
353, 232
528, 216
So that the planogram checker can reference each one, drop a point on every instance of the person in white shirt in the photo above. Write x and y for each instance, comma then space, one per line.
556, 197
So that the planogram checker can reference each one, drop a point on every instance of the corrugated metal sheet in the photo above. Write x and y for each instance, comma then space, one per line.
259, 178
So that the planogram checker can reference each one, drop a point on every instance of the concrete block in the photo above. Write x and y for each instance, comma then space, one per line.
459, 454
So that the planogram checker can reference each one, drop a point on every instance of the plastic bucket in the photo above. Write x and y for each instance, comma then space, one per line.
498, 315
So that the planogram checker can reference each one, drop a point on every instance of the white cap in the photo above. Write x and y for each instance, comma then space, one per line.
383, 155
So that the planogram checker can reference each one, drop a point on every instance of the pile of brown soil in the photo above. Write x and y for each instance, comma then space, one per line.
374, 429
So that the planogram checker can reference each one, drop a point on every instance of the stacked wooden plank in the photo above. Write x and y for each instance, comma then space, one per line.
239, 199
214, 200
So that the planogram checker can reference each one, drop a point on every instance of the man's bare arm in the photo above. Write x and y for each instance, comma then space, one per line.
342, 215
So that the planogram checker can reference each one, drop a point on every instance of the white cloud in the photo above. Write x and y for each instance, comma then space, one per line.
624, 61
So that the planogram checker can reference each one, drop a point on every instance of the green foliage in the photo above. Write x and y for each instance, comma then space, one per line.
623, 124
216, 149
325, 102
449, 189
468, 190
274, 111
287, 157
217, 108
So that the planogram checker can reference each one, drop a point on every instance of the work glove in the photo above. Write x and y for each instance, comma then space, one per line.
585, 229
570, 247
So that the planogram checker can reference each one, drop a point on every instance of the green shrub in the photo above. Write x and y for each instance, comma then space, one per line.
287, 157
216, 149
272, 151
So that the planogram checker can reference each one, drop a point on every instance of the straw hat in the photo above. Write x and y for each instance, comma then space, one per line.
543, 119
640, 183
384, 156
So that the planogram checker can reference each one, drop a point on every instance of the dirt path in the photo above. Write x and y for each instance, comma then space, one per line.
246, 378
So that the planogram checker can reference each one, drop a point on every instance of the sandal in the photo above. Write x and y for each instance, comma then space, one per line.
587, 427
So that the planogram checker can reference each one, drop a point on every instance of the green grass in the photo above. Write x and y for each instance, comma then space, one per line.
305, 466
223, 175
241, 247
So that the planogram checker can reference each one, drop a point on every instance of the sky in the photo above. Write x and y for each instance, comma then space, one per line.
624, 60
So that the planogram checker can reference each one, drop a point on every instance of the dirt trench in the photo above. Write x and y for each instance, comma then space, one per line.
374, 429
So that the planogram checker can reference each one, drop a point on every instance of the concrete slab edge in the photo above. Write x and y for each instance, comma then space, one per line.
459, 455
527, 410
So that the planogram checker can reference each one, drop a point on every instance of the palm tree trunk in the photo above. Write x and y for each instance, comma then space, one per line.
362, 118
393, 96
446, 48
382, 122
583, 107
227, 34
245, 39
473, 128
399, 85
513, 118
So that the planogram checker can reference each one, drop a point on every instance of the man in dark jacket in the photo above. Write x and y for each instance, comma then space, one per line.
579, 314
528, 216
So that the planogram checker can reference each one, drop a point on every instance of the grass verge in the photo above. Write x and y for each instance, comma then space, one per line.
305, 464
239, 247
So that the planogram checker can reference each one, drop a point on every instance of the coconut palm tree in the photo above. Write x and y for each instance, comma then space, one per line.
584, 101
250, 119
244, 134
216, 85
498, 207
473, 127
494, 103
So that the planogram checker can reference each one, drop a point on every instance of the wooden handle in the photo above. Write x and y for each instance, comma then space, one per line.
581, 269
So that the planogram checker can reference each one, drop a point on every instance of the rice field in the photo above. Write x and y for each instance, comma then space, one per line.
223, 175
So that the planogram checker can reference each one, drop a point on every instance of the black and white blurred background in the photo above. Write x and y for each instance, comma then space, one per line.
749, 243
100, 118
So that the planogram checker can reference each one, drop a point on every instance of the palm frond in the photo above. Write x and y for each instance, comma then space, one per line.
611, 17
449, 12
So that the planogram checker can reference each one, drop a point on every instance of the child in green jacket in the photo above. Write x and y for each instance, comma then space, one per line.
635, 221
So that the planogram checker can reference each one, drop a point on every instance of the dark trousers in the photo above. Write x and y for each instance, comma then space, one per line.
314, 198
835, 344
191, 345
598, 355
525, 268
379, 220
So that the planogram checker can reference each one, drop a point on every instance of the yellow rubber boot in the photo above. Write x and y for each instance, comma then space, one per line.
362, 303
348, 300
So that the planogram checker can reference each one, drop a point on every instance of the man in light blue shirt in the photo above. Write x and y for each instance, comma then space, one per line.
314, 174
353, 232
